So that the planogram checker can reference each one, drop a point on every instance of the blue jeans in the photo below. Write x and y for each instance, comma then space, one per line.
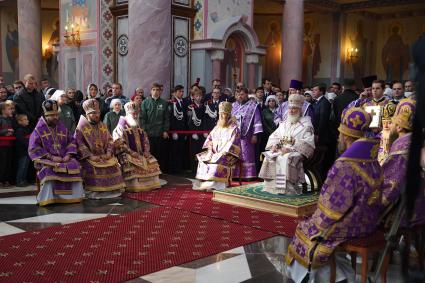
21, 175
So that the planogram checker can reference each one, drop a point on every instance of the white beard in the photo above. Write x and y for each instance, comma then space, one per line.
292, 119
131, 121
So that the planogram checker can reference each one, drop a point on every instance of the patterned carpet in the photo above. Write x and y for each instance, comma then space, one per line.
184, 198
255, 191
118, 248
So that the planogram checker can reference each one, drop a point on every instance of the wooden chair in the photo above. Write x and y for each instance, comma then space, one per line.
311, 168
365, 246
238, 164
415, 234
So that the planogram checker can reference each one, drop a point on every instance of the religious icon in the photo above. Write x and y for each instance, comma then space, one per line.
395, 54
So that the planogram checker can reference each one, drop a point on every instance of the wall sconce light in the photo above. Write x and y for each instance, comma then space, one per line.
72, 37
352, 55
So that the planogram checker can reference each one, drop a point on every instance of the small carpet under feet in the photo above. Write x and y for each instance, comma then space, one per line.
184, 198
118, 248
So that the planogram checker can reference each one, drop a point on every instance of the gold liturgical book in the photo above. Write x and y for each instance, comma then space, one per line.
376, 113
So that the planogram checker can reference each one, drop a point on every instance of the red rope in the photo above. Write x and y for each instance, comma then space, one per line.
188, 132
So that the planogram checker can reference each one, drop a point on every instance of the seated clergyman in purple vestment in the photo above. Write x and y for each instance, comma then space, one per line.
395, 166
52, 148
223, 146
287, 147
101, 171
348, 205
139, 168
248, 117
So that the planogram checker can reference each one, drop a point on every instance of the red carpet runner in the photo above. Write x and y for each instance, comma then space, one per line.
185, 198
118, 248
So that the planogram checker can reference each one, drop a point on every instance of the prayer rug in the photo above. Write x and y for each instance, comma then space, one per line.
252, 196
118, 248
185, 198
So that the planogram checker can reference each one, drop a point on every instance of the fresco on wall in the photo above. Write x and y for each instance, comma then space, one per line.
50, 36
233, 61
9, 26
274, 52
395, 54
198, 21
360, 42
311, 56
221, 10
79, 12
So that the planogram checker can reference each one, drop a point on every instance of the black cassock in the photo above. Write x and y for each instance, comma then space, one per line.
178, 149
196, 122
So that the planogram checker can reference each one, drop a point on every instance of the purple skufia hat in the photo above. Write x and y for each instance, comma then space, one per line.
296, 84
367, 81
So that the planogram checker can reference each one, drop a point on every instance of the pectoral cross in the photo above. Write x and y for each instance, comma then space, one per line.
56, 146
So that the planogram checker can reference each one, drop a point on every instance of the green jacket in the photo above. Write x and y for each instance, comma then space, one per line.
67, 117
111, 120
155, 116
268, 121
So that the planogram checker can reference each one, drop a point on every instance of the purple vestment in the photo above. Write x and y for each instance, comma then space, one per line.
395, 167
248, 117
141, 171
58, 141
348, 205
224, 150
95, 140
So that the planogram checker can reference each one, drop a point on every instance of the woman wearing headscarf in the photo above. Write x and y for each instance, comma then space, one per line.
93, 92
267, 115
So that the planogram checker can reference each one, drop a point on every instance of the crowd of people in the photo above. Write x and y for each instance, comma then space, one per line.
102, 144
182, 123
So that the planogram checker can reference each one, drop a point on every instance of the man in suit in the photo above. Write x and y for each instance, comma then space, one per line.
322, 132
216, 84
344, 99
267, 86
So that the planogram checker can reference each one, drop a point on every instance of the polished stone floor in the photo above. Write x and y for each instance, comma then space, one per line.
262, 261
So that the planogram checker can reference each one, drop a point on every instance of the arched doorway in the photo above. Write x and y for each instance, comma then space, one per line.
233, 63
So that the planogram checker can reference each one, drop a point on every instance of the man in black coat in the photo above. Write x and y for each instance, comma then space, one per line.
178, 122
342, 101
323, 134
28, 101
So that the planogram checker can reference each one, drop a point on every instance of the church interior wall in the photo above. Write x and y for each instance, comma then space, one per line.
80, 64
268, 29
10, 46
410, 28
317, 54
221, 10
201, 68
9, 43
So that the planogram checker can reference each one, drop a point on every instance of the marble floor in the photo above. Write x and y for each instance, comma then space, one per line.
262, 261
